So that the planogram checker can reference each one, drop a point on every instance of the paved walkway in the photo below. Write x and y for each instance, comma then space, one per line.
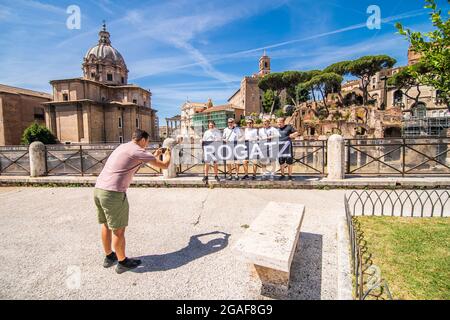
184, 236
303, 182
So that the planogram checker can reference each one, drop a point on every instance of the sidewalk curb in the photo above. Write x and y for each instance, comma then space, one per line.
302, 183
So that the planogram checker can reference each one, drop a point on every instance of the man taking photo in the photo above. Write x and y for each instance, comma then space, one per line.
111, 199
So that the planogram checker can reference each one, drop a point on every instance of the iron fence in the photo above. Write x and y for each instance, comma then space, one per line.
398, 156
86, 159
368, 281
14, 160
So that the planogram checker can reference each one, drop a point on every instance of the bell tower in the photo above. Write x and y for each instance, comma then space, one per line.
264, 64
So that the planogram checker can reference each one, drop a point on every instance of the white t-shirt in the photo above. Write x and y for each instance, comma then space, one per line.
212, 135
231, 134
266, 133
251, 134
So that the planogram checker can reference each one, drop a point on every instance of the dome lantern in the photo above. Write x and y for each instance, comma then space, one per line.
103, 63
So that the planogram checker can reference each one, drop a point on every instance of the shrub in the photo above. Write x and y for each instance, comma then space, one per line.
36, 132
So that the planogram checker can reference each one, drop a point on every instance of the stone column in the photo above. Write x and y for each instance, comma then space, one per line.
37, 159
336, 157
171, 171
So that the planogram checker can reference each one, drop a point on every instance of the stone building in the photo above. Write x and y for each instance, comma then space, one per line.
219, 114
19, 108
101, 106
249, 97
188, 110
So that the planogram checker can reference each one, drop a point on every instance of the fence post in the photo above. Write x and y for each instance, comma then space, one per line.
171, 171
38, 161
81, 161
336, 157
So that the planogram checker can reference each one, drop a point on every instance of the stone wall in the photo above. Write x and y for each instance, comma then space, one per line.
17, 112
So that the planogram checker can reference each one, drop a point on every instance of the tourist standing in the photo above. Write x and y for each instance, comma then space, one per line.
231, 135
111, 199
251, 137
286, 134
267, 134
210, 136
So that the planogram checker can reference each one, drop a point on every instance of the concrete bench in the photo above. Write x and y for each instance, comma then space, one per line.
269, 245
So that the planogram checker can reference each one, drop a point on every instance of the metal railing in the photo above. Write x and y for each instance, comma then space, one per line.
398, 156
85, 159
14, 160
368, 281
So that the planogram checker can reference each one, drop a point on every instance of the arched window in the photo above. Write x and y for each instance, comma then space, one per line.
439, 99
419, 110
398, 97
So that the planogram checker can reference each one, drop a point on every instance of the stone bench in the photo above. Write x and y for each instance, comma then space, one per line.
269, 245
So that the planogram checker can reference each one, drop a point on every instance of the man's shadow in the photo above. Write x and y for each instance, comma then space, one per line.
194, 250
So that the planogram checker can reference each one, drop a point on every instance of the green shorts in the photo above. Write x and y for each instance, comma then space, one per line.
112, 208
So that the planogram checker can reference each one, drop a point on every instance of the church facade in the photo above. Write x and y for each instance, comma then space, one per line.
100, 107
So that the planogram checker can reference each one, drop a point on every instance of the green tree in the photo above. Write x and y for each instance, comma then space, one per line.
270, 101
434, 48
408, 78
291, 79
273, 82
322, 83
342, 68
364, 69
279, 113
36, 132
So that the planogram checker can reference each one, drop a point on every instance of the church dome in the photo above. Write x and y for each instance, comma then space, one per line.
105, 52
104, 63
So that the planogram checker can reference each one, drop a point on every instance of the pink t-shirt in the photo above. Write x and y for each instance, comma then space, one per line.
121, 166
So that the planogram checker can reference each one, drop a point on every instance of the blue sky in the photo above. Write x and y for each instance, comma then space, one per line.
196, 49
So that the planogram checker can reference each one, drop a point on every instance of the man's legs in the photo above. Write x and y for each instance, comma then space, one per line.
245, 167
282, 166
118, 241
272, 168
255, 168
206, 170
106, 239
125, 264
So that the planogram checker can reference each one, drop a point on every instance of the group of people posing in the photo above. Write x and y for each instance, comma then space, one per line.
232, 134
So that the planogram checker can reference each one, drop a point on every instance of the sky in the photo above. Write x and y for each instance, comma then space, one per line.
197, 49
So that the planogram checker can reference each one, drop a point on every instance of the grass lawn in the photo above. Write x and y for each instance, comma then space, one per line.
413, 254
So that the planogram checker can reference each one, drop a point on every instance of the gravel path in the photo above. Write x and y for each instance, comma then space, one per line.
184, 236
